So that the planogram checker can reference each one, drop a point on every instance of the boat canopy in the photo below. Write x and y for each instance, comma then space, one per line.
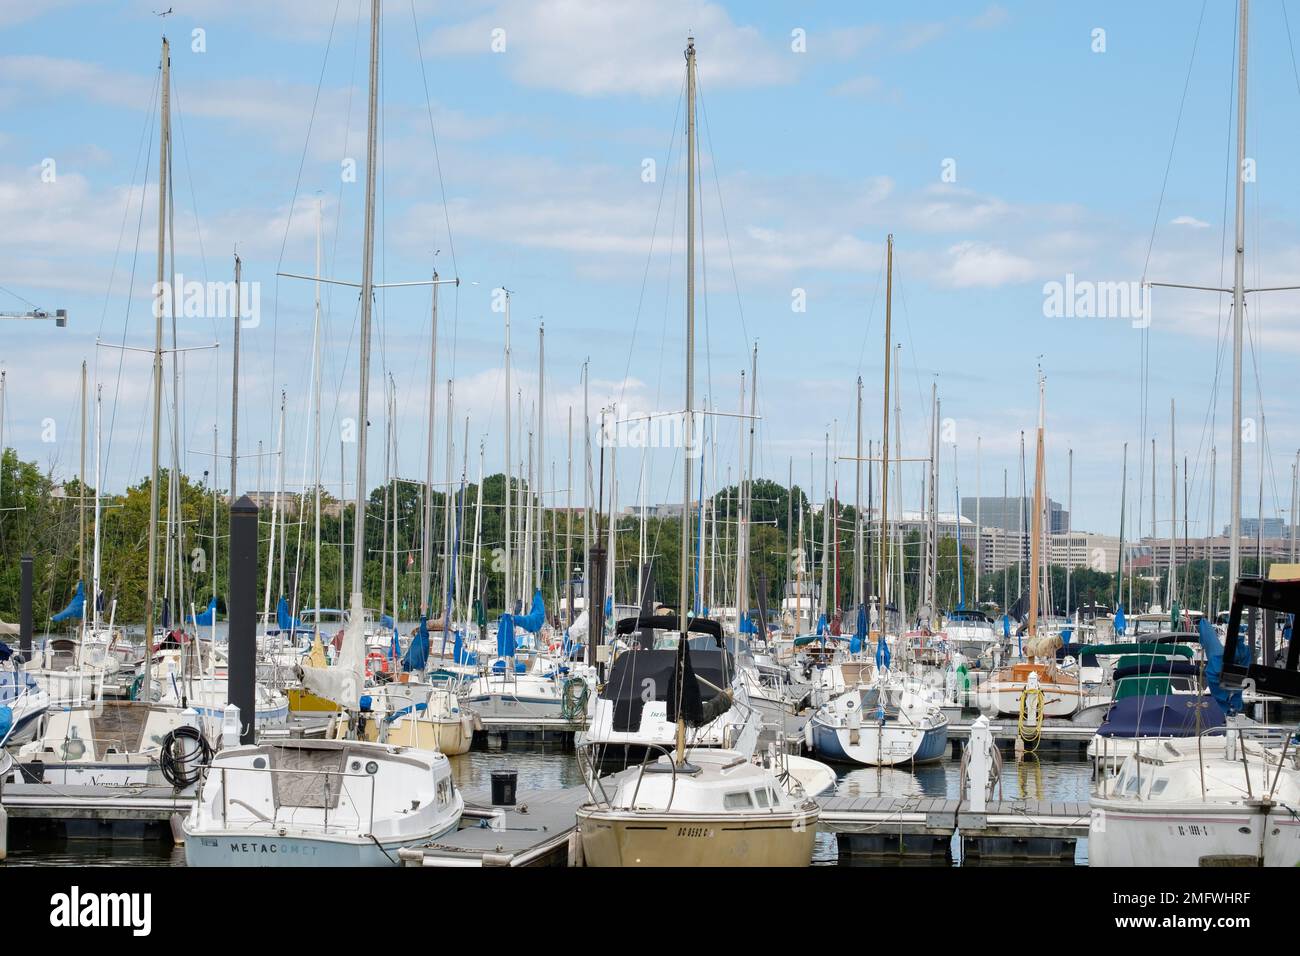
1151, 648
638, 671
1172, 715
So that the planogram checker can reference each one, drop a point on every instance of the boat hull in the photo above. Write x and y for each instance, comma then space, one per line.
1200, 835
876, 745
451, 736
271, 850
619, 838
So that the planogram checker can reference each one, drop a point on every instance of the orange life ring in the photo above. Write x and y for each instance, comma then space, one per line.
372, 668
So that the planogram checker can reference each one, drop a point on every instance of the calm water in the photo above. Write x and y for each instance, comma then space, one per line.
1042, 778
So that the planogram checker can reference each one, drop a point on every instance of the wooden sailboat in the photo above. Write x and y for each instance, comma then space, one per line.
1036, 685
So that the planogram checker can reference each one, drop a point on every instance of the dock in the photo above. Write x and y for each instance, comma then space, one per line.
540, 829
86, 813
923, 828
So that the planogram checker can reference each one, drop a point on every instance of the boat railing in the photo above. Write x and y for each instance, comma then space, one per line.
1259, 734
645, 762
352, 822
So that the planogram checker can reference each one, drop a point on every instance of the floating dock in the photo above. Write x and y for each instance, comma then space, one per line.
540, 829
869, 829
96, 813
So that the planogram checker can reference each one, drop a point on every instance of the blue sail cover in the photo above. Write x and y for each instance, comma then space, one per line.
283, 618
531, 622
1213, 647
208, 617
1006, 625
1161, 715
1120, 623
386, 620
821, 625
882, 652
859, 631
747, 625
75, 607
458, 652
417, 652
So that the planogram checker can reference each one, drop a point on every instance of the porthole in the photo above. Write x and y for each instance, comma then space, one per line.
259, 763
356, 766
372, 767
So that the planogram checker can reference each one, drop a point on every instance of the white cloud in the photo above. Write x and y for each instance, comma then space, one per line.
1191, 221
619, 47
977, 264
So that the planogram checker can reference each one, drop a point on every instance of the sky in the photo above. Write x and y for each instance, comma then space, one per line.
1009, 148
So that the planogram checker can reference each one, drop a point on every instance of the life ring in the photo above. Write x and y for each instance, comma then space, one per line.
376, 663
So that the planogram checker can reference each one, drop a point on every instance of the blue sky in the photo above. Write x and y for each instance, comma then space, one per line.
814, 155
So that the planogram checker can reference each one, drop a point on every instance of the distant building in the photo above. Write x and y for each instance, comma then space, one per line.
1009, 513
1077, 549
1260, 528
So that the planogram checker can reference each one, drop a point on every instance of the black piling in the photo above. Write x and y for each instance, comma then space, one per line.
243, 614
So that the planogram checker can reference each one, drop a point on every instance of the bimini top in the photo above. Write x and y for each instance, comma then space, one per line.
1173, 715
669, 622
1144, 647
636, 671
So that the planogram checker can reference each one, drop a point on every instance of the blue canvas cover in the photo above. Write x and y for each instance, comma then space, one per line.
75, 607
209, 616
1171, 715
417, 652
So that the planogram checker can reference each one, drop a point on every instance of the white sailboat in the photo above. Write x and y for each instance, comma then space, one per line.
717, 808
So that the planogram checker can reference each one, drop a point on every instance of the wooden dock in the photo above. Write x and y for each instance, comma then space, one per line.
923, 828
539, 830
97, 813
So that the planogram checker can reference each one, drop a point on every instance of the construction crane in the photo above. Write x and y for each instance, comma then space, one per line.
60, 316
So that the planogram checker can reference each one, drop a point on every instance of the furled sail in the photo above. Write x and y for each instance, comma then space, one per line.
75, 607
342, 683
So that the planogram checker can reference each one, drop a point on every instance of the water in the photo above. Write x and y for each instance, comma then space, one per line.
1035, 778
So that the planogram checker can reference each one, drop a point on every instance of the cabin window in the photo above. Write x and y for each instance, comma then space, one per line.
1132, 784
444, 792
1158, 786
738, 801
761, 797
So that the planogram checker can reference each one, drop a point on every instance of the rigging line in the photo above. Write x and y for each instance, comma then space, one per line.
871, 312
713, 164
437, 160
135, 257
654, 232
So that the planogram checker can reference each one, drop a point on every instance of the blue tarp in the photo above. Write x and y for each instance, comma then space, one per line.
531, 622
859, 631
1120, 623
417, 652
1213, 647
458, 652
882, 652
6, 722
283, 619
208, 617
1164, 715
75, 607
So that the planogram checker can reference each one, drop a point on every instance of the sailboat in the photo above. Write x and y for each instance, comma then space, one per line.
1223, 796
717, 808
342, 800
883, 720
1036, 686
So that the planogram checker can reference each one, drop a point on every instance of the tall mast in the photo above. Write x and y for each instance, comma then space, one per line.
884, 443
1123, 496
1173, 511
857, 505
1036, 543
541, 452
1069, 526
749, 480
1238, 298
94, 587
740, 502
509, 581
81, 497
316, 388
426, 561
367, 292
979, 531
152, 574
684, 597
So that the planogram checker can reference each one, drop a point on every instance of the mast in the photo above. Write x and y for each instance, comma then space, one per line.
688, 436
1123, 495
367, 292
568, 526
152, 574
509, 582
234, 375
1173, 512
426, 561
979, 528
316, 387
1238, 299
884, 443
81, 497
541, 452
1035, 545
94, 587
857, 506
740, 503
1069, 530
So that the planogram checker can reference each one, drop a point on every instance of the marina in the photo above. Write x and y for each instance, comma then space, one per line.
597, 441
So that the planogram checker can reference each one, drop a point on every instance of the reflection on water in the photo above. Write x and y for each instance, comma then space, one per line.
1034, 778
